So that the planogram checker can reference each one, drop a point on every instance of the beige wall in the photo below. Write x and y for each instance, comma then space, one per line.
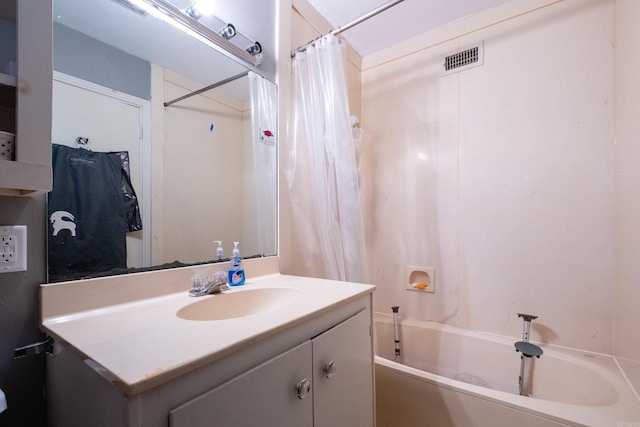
627, 230
187, 139
501, 177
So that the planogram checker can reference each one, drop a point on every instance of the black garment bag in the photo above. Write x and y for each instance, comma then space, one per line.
87, 214
130, 199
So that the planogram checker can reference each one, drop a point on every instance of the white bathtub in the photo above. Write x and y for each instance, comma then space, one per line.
455, 377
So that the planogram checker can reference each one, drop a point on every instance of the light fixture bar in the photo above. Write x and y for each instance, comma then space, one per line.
133, 7
201, 31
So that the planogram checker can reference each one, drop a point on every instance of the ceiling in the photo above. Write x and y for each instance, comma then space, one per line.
401, 22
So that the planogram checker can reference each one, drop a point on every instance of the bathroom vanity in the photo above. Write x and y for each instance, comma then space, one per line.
136, 350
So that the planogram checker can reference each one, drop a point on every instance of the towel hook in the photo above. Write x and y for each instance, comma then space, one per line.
83, 142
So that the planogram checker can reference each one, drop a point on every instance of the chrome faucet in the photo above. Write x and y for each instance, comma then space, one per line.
205, 285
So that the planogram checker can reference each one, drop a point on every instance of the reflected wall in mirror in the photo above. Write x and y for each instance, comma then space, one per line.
203, 169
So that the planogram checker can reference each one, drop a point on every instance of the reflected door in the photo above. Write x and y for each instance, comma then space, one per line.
111, 124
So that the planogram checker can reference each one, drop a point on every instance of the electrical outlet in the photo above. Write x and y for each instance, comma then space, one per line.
7, 250
13, 248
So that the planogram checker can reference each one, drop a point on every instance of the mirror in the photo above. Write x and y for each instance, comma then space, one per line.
203, 169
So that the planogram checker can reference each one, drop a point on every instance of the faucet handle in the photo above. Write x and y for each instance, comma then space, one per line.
199, 282
527, 317
203, 285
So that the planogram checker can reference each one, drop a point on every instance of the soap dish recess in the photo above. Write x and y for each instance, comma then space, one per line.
420, 279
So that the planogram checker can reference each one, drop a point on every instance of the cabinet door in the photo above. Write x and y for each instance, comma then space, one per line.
264, 396
30, 172
343, 374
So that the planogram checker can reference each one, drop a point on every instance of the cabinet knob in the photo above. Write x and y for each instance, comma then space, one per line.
304, 388
329, 370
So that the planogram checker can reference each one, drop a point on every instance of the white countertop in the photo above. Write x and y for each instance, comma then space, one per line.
141, 343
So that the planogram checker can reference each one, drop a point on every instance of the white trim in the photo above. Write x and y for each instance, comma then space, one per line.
144, 107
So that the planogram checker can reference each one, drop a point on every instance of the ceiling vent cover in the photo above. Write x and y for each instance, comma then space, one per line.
464, 59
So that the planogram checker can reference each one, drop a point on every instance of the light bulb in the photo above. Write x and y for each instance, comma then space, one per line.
202, 7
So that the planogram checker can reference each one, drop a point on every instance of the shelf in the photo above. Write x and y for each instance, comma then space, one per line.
7, 80
7, 102
12, 184
25, 108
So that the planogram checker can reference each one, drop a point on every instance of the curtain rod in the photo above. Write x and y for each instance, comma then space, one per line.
204, 89
351, 24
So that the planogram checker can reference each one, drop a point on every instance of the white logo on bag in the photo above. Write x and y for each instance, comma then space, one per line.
63, 220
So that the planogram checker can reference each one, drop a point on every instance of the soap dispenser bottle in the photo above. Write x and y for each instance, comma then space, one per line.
219, 251
236, 272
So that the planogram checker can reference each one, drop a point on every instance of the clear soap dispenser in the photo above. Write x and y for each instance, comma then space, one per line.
236, 272
219, 251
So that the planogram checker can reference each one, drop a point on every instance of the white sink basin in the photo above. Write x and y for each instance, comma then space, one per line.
239, 303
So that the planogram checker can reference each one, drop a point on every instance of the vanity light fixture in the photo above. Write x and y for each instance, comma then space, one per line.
187, 22
254, 49
228, 32
133, 6
199, 8
193, 12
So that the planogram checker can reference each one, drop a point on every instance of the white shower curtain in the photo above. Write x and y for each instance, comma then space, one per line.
322, 173
264, 110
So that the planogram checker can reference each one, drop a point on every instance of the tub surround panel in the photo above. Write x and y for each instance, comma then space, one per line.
631, 369
500, 176
536, 177
409, 171
627, 232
